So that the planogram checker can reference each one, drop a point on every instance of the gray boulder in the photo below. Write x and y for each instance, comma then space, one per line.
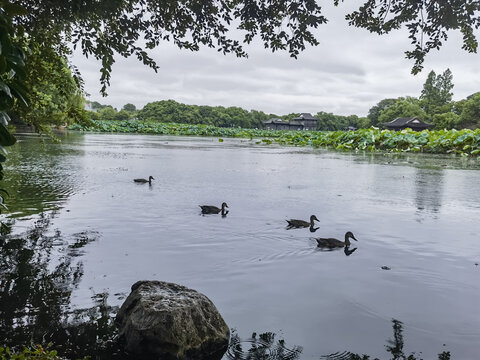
161, 320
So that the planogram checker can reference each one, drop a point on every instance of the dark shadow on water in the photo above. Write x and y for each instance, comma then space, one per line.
313, 229
394, 347
348, 251
38, 273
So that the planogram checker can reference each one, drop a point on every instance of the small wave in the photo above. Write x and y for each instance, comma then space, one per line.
263, 346
344, 355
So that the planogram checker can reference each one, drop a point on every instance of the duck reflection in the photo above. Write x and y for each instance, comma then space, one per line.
313, 229
224, 213
349, 251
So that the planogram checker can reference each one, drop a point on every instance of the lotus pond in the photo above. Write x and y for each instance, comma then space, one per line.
464, 142
82, 232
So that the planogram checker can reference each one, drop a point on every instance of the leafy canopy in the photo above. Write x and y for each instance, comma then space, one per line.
428, 22
102, 28
437, 91
403, 107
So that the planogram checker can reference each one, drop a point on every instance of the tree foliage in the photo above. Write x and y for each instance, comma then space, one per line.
168, 111
54, 93
374, 112
403, 107
470, 112
428, 23
436, 92
12, 78
102, 28
331, 122
433, 105
129, 107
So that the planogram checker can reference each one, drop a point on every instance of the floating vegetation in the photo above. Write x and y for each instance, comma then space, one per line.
463, 142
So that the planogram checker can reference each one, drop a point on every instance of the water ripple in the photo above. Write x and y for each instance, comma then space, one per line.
263, 346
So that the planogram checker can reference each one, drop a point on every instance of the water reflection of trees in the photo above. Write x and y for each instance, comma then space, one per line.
261, 347
394, 346
39, 183
38, 272
428, 189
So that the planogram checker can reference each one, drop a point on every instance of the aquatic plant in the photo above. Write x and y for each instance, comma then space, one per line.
463, 142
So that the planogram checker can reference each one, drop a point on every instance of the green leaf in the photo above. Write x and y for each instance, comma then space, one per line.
5, 88
3, 62
14, 9
20, 92
4, 118
6, 139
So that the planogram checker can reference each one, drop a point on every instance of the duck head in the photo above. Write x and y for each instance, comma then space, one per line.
349, 235
312, 218
224, 205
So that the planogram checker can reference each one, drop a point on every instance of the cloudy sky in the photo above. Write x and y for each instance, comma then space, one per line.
348, 73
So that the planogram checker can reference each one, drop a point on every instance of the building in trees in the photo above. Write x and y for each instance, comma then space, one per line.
413, 123
279, 124
304, 121
308, 121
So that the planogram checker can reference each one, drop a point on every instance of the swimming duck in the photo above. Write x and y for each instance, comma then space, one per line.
293, 223
334, 243
210, 209
150, 178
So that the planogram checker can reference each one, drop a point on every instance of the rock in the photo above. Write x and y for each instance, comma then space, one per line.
161, 320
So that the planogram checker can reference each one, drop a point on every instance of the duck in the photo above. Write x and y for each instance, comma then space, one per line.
210, 209
293, 223
335, 243
143, 181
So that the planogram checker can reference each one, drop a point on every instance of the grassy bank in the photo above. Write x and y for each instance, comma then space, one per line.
464, 142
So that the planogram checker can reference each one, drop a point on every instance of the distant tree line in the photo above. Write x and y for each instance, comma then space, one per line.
170, 111
434, 105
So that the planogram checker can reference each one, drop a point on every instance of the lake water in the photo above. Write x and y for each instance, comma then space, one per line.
418, 215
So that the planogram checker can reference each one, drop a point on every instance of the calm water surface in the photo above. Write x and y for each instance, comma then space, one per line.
416, 214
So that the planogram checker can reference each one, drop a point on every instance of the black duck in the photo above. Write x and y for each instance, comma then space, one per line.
210, 209
335, 243
293, 223
143, 181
